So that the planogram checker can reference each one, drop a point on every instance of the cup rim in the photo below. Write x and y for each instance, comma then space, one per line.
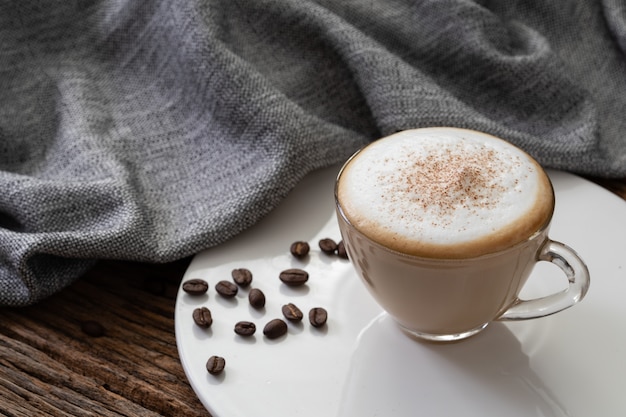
540, 230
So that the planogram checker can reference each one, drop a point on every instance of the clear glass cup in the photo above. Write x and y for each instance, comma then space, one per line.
452, 299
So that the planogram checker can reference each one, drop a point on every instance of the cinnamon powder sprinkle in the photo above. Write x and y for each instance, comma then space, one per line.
448, 179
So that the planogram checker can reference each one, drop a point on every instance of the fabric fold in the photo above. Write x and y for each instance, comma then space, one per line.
153, 130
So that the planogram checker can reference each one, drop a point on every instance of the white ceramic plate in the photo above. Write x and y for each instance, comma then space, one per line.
360, 364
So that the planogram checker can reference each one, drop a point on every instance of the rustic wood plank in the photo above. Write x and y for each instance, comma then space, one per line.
49, 366
617, 186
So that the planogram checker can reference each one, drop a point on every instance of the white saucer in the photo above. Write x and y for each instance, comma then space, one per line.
360, 364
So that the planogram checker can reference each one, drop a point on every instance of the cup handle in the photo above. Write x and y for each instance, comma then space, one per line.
577, 274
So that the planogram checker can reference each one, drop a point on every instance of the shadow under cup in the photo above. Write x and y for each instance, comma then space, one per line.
452, 299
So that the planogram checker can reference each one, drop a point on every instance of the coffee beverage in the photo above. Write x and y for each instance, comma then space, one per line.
445, 225
445, 193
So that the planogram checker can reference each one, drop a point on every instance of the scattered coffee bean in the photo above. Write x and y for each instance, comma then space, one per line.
226, 289
292, 312
341, 250
328, 246
256, 298
299, 249
318, 316
245, 328
202, 317
275, 329
242, 276
294, 277
92, 328
195, 286
215, 365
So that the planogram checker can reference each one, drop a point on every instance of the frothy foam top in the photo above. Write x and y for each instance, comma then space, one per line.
444, 192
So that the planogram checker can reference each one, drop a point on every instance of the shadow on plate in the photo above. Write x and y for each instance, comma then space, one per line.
486, 375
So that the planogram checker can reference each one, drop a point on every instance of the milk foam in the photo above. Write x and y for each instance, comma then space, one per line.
424, 189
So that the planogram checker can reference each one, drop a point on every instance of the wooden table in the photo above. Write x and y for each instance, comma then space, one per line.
49, 366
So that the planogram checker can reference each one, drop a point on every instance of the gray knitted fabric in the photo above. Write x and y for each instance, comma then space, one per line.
150, 130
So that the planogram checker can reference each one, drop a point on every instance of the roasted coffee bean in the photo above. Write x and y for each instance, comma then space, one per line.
275, 329
226, 289
202, 317
215, 365
318, 316
292, 312
245, 328
328, 246
294, 277
341, 250
195, 286
242, 276
299, 249
256, 298
92, 328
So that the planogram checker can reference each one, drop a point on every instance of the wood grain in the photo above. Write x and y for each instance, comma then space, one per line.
49, 366
617, 186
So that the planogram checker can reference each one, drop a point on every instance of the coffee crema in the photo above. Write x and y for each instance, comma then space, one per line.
445, 193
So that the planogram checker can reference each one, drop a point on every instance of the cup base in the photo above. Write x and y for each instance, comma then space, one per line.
443, 338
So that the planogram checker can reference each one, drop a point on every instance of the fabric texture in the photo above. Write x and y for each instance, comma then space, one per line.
151, 130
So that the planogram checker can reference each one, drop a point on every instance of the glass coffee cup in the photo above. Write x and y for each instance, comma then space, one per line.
445, 225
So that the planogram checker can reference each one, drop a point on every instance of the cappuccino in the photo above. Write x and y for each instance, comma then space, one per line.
444, 193
444, 226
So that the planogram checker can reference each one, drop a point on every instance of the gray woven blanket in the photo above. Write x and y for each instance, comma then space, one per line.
151, 130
